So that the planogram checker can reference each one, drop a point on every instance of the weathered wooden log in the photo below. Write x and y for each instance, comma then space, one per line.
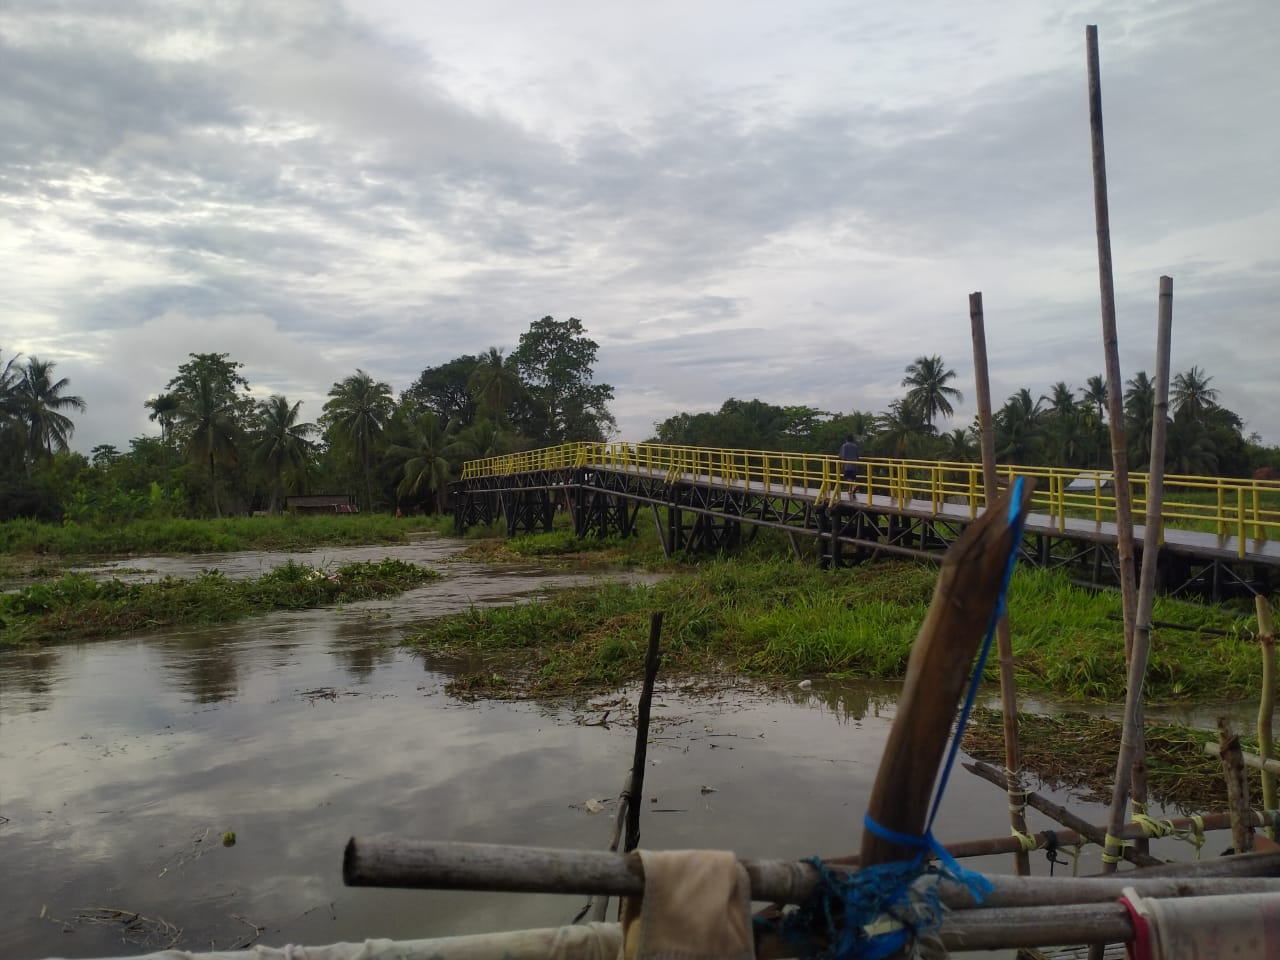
968, 588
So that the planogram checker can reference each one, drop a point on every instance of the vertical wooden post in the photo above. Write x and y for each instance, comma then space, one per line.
1237, 792
1266, 705
1004, 641
1115, 392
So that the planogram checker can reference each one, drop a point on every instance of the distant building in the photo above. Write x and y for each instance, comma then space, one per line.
322, 503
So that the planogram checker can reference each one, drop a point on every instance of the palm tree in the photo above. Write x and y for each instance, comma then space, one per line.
927, 379
1192, 395
1190, 448
1139, 414
486, 439
12, 444
1061, 399
359, 407
958, 446
1019, 429
40, 399
206, 419
495, 383
282, 445
163, 407
432, 449
1067, 427
901, 431
1095, 392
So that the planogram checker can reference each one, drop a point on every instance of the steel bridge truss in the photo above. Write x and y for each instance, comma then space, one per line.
702, 517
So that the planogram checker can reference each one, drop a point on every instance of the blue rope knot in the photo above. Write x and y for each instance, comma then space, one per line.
848, 910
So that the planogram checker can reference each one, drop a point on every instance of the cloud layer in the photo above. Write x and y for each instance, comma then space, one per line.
735, 201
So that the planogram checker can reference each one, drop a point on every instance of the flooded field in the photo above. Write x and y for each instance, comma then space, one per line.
123, 763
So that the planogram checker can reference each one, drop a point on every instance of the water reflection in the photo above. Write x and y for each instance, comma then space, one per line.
357, 652
29, 683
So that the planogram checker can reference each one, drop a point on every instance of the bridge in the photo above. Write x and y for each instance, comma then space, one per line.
1217, 536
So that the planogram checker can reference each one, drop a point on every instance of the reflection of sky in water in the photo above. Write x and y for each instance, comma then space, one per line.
115, 757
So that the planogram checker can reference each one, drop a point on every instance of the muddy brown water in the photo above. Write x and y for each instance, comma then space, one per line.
123, 762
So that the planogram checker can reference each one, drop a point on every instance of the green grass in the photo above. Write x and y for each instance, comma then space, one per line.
76, 607
781, 618
280, 532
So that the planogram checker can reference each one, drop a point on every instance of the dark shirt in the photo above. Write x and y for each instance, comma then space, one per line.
849, 450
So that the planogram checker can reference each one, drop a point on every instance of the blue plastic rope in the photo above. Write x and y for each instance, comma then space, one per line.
844, 906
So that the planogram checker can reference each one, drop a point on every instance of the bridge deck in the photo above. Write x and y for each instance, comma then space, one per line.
1192, 543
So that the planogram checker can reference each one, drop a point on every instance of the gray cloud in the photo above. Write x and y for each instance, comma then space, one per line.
382, 195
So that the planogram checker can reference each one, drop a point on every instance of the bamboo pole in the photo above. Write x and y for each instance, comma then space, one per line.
1115, 408
966, 594
1068, 837
1065, 817
1266, 704
630, 800
651, 663
1110, 341
1004, 641
447, 865
1131, 759
1237, 794
1267, 765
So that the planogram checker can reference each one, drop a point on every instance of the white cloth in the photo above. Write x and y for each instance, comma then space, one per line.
696, 906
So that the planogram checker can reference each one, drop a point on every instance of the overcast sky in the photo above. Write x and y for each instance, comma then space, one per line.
788, 201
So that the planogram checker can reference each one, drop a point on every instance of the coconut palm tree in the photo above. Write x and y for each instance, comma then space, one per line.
359, 409
484, 438
1019, 429
12, 442
163, 407
429, 455
901, 431
206, 421
40, 398
1139, 414
495, 383
1192, 395
1095, 392
281, 446
958, 446
928, 391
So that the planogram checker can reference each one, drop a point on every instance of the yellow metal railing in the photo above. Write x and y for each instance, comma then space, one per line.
1227, 507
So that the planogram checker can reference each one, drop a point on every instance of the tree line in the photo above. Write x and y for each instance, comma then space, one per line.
1065, 427
222, 450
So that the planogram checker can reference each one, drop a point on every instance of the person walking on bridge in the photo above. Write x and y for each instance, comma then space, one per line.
849, 453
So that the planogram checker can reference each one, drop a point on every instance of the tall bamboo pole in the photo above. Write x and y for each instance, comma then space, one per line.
1267, 703
1110, 343
1131, 738
1004, 641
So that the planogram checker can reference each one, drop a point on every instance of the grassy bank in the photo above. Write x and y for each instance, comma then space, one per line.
779, 617
76, 607
29, 538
